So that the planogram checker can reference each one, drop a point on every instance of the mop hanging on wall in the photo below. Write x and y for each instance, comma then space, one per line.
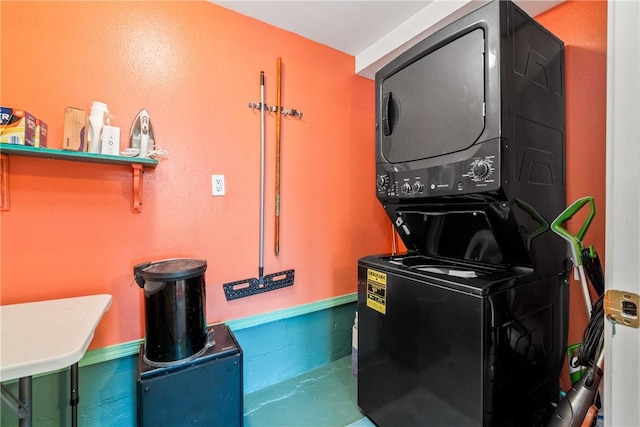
276, 248
262, 283
279, 110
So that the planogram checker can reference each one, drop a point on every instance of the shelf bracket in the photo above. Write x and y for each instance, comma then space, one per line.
138, 171
4, 182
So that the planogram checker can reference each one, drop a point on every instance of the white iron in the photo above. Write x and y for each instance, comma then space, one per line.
141, 135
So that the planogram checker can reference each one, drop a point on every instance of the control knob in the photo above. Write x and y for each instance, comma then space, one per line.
480, 169
406, 188
417, 187
382, 181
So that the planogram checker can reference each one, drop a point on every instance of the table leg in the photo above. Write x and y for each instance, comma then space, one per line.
25, 396
75, 398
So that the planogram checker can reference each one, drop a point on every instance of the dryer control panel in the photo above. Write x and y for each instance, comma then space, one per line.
478, 173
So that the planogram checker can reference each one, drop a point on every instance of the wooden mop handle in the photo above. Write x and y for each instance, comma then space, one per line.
278, 125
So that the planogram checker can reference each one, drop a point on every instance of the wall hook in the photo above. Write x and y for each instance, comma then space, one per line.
274, 109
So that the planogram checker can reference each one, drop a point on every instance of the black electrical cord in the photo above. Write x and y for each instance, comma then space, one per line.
591, 263
593, 334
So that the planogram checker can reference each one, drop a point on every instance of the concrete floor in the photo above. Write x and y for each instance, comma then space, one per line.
324, 397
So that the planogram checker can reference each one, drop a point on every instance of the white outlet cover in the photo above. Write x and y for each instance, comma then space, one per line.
217, 185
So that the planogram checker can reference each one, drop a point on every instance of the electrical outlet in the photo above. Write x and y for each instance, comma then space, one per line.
217, 185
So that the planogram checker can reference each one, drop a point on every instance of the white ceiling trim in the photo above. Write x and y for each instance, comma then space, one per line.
427, 21
373, 31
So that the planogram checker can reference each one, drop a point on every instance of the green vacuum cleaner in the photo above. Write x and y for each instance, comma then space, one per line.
578, 406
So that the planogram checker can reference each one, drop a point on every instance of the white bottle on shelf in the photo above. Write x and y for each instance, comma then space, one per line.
98, 117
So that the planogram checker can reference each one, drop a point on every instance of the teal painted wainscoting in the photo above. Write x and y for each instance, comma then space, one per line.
276, 346
281, 349
107, 396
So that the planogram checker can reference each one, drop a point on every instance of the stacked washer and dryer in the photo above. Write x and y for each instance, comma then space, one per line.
468, 326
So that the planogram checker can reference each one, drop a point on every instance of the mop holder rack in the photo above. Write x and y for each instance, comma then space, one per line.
274, 109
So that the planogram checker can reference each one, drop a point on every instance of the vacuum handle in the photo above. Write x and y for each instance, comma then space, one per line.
567, 214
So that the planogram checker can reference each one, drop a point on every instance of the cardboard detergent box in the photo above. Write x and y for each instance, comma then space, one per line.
41, 134
17, 126
75, 122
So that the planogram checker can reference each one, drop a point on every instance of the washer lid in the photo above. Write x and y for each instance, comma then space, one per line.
172, 269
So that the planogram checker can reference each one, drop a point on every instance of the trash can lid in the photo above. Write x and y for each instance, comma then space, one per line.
173, 269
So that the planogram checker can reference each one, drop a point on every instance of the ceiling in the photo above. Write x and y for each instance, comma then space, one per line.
348, 26
370, 30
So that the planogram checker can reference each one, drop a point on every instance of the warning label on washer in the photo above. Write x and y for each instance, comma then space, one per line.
377, 291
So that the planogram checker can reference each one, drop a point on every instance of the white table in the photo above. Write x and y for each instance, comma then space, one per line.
44, 336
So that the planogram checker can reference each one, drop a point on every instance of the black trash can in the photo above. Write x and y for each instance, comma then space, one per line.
175, 310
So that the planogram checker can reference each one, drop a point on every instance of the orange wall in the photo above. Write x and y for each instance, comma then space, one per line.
194, 66
582, 25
